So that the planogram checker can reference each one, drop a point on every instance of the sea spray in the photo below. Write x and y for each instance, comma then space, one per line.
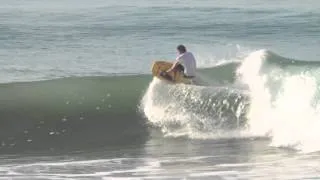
194, 111
284, 98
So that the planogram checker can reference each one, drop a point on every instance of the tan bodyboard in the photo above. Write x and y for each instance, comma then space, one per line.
159, 66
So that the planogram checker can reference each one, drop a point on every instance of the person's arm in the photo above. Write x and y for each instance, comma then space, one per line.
175, 64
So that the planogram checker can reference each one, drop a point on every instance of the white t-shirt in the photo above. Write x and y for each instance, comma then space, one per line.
189, 63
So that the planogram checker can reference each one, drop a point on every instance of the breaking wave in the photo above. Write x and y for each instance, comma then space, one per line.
260, 95
266, 95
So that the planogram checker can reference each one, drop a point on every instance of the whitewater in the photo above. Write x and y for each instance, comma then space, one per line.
280, 102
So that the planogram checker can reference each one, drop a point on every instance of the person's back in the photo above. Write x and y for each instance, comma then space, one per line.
189, 63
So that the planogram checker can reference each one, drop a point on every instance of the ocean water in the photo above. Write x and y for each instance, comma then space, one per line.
77, 100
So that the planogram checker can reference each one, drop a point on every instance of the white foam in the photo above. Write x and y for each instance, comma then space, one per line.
288, 114
182, 110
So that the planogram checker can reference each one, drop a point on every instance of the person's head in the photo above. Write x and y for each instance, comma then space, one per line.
181, 49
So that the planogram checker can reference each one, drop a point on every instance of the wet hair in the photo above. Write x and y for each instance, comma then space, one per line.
181, 48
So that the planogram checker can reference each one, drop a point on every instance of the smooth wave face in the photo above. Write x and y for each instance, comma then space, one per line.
71, 113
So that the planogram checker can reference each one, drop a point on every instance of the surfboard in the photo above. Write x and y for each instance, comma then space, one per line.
174, 76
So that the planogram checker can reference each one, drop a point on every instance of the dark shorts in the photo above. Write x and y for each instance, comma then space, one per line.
180, 68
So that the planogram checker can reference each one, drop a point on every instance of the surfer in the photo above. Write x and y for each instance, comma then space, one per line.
185, 62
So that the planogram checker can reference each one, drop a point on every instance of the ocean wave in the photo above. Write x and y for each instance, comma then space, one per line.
262, 95
77, 112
